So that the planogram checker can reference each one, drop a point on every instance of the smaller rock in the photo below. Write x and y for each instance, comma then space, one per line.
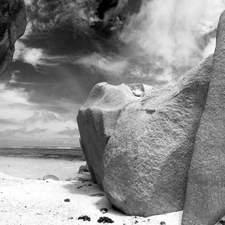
104, 210
50, 177
105, 219
67, 200
83, 169
162, 223
84, 218
221, 222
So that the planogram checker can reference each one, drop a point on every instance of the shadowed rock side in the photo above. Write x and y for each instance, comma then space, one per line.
12, 26
147, 158
205, 201
97, 120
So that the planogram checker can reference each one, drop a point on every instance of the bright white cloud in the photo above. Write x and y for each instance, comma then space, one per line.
168, 32
11, 96
34, 56
29, 2
108, 64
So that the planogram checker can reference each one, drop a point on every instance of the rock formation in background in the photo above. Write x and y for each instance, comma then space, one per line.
205, 201
12, 26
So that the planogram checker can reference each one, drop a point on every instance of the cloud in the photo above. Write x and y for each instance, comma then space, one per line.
170, 33
28, 2
43, 116
14, 77
34, 56
8, 122
210, 48
12, 96
36, 131
24, 122
68, 132
108, 64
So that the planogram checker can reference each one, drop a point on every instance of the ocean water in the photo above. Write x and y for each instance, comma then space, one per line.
66, 153
36, 162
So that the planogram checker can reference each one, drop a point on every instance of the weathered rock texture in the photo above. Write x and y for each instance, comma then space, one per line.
138, 141
147, 159
205, 201
97, 121
12, 26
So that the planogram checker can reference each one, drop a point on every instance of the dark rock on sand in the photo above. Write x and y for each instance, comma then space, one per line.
12, 26
83, 169
67, 200
104, 210
105, 219
205, 201
50, 177
221, 222
84, 218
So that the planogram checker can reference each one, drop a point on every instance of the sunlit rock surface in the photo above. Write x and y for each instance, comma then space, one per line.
12, 26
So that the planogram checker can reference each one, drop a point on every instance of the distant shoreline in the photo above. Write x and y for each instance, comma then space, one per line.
66, 153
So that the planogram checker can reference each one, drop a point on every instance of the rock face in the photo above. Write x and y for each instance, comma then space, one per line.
50, 177
138, 141
147, 158
12, 26
97, 121
205, 201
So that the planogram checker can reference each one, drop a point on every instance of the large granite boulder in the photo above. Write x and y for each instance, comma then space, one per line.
205, 201
147, 158
138, 140
97, 120
12, 26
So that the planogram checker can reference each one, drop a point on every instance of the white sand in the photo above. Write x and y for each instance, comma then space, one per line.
37, 168
38, 202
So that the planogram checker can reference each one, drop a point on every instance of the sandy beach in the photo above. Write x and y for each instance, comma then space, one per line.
26, 200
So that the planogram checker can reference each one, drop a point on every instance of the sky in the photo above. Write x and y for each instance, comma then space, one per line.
71, 45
